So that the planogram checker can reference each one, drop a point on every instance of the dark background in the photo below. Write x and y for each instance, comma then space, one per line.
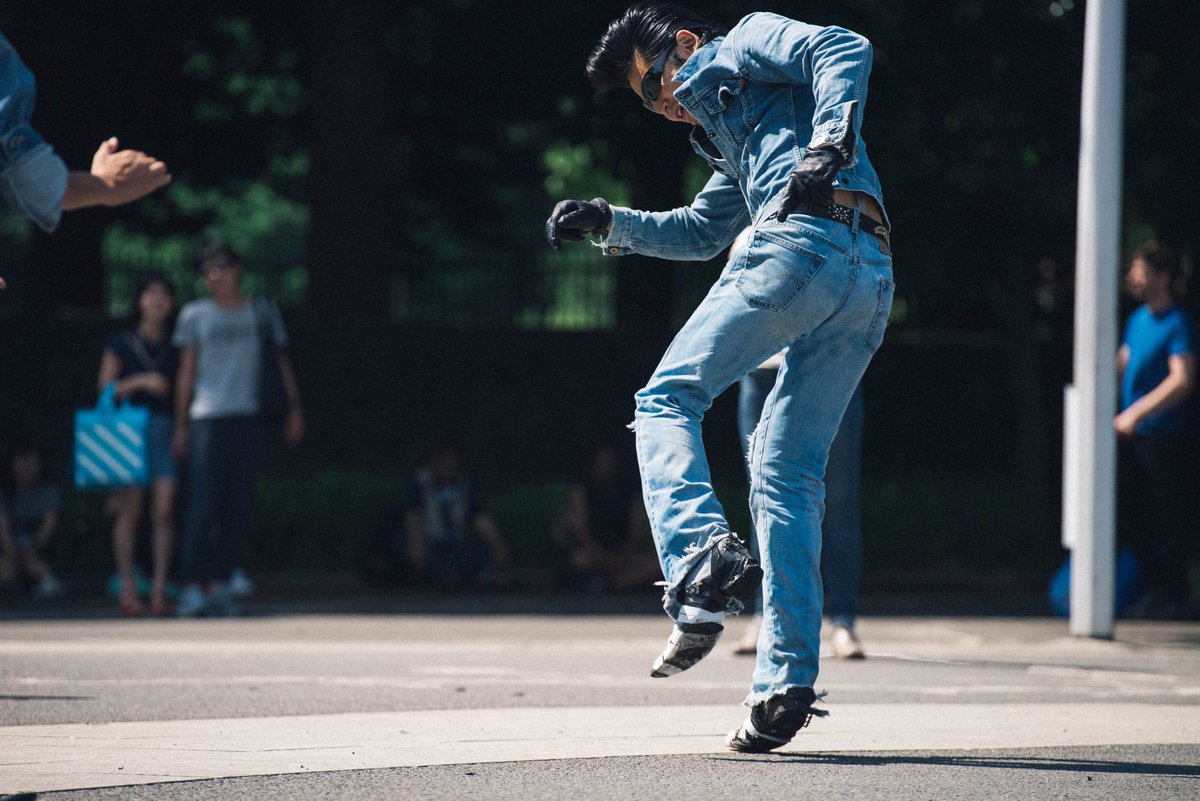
386, 168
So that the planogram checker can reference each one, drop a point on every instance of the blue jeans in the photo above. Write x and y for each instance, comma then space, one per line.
824, 291
841, 530
223, 456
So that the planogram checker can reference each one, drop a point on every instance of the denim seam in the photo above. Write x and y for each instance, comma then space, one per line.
812, 231
816, 258
879, 314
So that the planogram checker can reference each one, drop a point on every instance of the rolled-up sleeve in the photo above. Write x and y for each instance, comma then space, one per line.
33, 179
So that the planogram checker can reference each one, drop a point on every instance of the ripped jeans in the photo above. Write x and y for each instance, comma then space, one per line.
824, 290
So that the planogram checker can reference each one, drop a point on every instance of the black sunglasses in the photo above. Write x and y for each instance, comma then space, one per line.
652, 80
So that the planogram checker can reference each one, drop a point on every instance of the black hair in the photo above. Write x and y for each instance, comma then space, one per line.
148, 280
8, 478
212, 248
649, 28
1160, 258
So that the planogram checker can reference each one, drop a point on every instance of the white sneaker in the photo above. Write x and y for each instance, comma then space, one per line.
240, 585
49, 587
191, 601
844, 643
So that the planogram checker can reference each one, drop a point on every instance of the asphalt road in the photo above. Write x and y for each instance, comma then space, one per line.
542, 706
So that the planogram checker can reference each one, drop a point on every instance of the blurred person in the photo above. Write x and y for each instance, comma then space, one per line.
451, 541
1157, 367
841, 526
142, 363
33, 507
606, 527
33, 179
8, 548
224, 342
775, 107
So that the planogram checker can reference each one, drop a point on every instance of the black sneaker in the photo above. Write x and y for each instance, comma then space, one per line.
775, 721
722, 577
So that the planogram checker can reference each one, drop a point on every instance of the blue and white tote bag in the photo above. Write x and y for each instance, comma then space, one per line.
110, 443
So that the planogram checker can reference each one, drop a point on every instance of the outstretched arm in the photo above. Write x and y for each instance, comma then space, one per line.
117, 177
696, 232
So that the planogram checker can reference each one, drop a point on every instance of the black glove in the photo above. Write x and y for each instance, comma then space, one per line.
812, 181
571, 219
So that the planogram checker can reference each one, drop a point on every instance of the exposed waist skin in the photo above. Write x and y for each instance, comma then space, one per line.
846, 197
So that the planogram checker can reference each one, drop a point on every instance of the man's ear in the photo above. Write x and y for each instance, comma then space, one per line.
687, 40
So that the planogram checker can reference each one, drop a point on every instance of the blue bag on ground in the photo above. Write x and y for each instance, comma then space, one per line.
110, 443
1129, 589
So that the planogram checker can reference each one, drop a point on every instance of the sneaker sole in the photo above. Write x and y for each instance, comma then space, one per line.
746, 740
687, 647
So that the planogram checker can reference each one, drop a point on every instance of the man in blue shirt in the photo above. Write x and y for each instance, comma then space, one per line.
1157, 367
775, 108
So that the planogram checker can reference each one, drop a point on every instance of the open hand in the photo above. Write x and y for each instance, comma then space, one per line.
128, 174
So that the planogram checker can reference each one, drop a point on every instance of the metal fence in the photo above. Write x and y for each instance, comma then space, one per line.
574, 290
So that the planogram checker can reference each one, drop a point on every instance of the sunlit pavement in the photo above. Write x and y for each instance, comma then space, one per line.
369, 705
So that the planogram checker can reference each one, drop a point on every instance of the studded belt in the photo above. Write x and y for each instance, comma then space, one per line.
845, 215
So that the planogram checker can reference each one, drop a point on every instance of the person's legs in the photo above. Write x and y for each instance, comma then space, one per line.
841, 531
724, 339
242, 446
788, 457
779, 291
162, 518
127, 503
235, 446
195, 547
787, 462
1164, 550
752, 394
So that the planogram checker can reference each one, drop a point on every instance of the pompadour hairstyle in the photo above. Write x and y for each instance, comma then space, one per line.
649, 28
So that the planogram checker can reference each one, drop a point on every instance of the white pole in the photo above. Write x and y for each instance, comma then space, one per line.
1097, 248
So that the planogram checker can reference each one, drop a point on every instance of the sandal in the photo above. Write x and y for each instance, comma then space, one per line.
131, 606
159, 606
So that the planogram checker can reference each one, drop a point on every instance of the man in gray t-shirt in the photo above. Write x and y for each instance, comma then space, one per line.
217, 406
228, 344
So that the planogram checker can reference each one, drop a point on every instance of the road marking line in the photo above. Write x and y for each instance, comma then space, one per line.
74, 756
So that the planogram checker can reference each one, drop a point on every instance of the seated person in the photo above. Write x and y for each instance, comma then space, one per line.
452, 541
31, 505
607, 529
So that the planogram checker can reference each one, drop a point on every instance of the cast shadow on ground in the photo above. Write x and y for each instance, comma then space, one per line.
1007, 763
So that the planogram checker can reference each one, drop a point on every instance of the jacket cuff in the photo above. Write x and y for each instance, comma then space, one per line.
617, 242
33, 183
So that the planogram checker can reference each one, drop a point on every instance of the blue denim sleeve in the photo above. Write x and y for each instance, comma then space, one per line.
691, 233
833, 61
33, 179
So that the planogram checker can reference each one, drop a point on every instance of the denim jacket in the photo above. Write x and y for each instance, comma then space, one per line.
33, 179
762, 95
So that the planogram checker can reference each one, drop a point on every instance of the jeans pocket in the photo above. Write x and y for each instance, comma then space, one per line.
776, 272
879, 321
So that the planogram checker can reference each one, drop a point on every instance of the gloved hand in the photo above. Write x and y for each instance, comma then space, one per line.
812, 180
571, 219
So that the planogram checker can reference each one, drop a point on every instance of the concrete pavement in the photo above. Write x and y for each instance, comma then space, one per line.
320, 701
